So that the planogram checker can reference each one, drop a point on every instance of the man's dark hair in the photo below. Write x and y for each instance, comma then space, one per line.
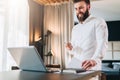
86, 1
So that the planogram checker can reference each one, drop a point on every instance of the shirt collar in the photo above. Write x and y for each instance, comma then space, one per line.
87, 19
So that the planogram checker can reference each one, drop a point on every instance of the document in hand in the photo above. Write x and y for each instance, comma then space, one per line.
74, 66
74, 63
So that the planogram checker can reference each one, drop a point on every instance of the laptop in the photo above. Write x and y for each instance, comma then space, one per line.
28, 58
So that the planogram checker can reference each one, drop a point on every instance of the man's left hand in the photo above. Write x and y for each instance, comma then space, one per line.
88, 64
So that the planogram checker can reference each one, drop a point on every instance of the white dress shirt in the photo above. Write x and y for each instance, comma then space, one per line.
89, 40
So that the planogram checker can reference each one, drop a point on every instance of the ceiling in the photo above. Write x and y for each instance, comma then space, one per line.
45, 2
107, 9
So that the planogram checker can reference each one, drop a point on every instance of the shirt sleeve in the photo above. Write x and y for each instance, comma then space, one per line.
101, 39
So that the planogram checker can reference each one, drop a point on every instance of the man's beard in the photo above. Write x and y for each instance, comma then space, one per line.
85, 15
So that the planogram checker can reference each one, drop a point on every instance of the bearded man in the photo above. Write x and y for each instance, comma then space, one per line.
89, 38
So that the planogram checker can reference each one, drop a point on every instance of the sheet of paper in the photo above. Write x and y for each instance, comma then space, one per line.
74, 63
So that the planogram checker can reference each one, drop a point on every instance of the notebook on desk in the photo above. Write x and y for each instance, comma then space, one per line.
28, 58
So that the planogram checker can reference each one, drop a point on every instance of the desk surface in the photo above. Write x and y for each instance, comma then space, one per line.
28, 75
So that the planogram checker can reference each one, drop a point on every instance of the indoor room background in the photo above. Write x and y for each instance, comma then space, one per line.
48, 26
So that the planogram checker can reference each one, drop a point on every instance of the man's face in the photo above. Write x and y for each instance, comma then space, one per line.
82, 10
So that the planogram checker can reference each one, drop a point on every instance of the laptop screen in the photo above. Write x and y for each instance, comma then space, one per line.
27, 58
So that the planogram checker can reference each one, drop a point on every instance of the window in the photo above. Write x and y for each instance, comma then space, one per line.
14, 29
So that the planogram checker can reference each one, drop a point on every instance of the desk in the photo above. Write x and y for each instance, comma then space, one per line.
28, 75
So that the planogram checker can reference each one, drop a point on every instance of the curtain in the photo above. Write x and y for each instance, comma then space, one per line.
14, 24
58, 18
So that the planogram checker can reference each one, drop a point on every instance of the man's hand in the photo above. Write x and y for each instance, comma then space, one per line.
69, 46
88, 64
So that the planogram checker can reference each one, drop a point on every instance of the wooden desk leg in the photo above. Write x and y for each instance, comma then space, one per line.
102, 76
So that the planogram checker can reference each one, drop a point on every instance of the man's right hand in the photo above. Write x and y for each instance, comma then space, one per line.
69, 46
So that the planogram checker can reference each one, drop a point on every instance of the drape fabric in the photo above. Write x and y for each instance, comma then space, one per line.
58, 18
